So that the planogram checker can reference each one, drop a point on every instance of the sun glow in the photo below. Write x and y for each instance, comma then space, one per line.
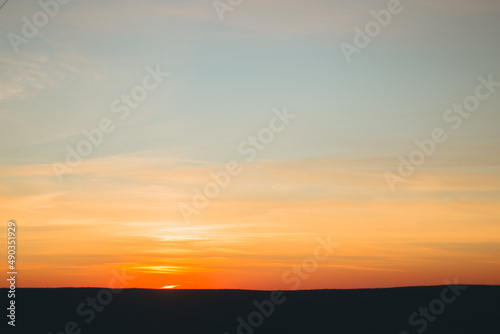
169, 286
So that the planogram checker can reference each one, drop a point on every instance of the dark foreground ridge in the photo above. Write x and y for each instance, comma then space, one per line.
437, 309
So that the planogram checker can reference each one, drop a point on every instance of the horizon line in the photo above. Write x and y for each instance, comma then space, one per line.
263, 290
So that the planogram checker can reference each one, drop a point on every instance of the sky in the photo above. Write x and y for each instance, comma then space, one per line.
127, 205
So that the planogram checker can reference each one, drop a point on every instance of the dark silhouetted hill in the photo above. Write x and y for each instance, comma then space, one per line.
386, 311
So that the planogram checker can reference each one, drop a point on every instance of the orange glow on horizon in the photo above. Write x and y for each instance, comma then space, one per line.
247, 239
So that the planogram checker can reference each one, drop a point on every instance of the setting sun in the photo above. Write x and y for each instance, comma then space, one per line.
169, 286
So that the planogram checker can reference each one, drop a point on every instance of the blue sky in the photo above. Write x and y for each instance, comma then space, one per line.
230, 74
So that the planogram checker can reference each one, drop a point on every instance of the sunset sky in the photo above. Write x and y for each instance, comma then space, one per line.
323, 175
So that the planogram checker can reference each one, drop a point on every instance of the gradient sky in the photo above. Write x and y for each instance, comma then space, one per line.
323, 175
